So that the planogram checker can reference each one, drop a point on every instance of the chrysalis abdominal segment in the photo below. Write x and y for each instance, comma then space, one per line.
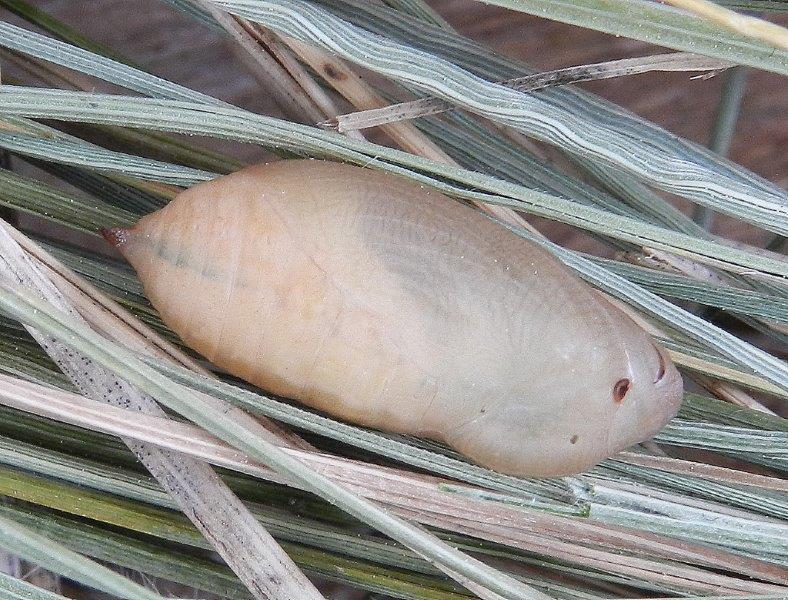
392, 306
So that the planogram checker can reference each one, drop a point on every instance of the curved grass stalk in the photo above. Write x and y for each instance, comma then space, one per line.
83, 215
390, 22
653, 200
658, 24
598, 114
720, 186
766, 205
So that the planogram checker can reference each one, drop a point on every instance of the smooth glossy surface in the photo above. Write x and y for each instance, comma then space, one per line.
392, 306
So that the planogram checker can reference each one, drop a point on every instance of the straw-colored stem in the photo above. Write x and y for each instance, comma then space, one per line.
749, 26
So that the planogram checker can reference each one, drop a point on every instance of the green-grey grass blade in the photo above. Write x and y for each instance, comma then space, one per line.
36, 548
765, 205
658, 24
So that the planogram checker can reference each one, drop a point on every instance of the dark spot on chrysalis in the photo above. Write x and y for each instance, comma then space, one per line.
574, 438
332, 72
620, 389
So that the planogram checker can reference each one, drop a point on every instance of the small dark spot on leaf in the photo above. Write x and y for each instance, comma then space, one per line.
574, 438
620, 389
332, 72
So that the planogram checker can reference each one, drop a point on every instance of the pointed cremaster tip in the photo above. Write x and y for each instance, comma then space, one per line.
116, 236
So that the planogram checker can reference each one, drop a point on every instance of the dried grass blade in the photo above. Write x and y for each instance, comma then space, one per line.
215, 510
676, 61
279, 51
659, 24
76, 290
763, 204
289, 95
753, 27
706, 471
421, 497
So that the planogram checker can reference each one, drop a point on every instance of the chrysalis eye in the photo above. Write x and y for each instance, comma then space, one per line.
620, 389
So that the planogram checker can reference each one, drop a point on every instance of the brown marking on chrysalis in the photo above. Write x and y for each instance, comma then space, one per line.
620, 389
117, 236
574, 438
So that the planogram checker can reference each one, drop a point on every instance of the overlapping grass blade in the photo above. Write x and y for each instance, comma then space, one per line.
723, 187
82, 470
61, 53
675, 523
35, 198
500, 156
228, 122
379, 570
677, 286
414, 109
598, 114
659, 24
80, 153
763, 204
32, 546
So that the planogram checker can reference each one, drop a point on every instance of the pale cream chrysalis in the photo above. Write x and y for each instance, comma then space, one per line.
389, 305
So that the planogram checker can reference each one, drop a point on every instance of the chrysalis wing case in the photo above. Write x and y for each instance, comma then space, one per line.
390, 305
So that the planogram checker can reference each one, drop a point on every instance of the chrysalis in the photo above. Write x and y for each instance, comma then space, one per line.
390, 305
